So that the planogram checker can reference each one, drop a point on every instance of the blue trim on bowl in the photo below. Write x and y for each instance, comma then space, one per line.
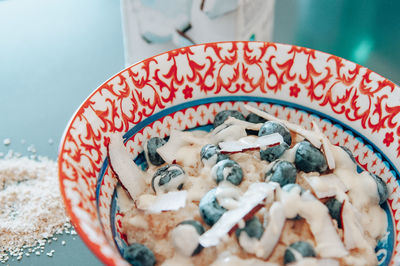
100, 180
121, 245
360, 137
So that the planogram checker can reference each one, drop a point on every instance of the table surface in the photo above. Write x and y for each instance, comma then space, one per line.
54, 53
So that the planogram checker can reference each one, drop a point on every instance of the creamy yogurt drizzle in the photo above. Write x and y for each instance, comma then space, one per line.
362, 193
256, 193
228, 195
329, 244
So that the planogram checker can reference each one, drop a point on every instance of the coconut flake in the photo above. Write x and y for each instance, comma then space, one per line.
328, 153
170, 201
177, 140
254, 196
230, 121
245, 124
326, 145
122, 164
250, 142
226, 132
311, 136
290, 154
326, 186
232, 129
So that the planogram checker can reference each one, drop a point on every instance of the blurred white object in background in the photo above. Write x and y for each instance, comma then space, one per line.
159, 19
151, 27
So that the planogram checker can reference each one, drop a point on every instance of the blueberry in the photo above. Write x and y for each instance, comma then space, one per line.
228, 170
139, 255
210, 210
382, 188
335, 210
199, 230
152, 145
310, 159
271, 127
272, 153
298, 249
348, 151
223, 115
253, 118
210, 154
253, 228
170, 177
282, 172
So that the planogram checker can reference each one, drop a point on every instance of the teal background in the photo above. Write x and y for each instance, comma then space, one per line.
53, 54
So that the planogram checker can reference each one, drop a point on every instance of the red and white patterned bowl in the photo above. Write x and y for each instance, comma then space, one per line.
184, 89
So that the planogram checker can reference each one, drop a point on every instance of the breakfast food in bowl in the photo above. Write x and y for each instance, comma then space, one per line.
285, 195
236, 152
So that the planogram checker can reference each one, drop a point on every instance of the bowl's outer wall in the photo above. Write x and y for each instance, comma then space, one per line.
351, 94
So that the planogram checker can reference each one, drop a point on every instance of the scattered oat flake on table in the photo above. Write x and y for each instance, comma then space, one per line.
7, 141
31, 207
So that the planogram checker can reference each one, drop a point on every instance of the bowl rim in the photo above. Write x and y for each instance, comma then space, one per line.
68, 207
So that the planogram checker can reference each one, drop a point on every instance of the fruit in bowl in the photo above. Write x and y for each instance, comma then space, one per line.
336, 102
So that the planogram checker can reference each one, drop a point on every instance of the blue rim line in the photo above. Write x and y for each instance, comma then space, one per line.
112, 220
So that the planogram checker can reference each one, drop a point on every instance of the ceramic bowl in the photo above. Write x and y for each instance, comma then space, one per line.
185, 88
